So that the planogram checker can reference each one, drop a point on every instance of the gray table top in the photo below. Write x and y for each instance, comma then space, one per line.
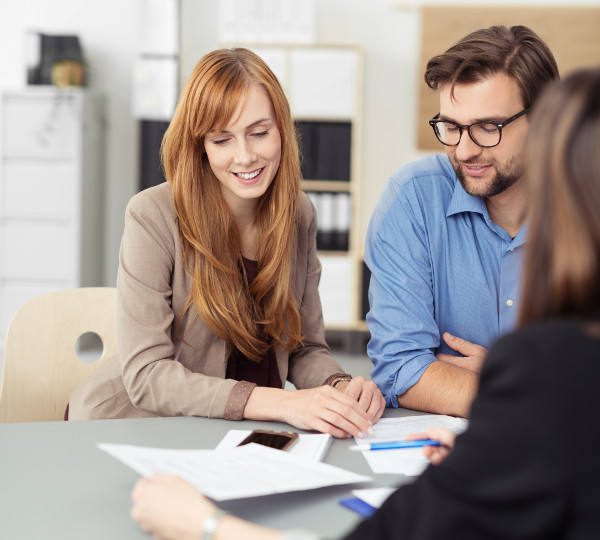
56, 484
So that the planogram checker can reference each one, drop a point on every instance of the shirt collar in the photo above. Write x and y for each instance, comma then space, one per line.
463, 202
521, 237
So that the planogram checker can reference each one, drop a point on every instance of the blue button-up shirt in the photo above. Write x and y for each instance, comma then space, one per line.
438, 264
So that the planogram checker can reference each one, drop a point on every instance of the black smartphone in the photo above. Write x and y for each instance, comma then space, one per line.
275, 439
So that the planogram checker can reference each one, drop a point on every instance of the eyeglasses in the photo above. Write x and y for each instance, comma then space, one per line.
484, 134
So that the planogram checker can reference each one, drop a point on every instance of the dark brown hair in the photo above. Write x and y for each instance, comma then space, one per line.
562, 262
268, 311
516, 51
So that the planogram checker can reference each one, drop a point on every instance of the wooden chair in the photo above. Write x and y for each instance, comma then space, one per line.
41, 364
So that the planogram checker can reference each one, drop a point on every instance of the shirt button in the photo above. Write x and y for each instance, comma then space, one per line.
509, 302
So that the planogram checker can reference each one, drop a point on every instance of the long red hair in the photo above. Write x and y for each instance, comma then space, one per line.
266, 313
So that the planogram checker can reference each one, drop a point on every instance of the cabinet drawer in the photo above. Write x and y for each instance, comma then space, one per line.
38, 189
45, 125
45, 251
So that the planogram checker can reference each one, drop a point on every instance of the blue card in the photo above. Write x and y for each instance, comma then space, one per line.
359, 506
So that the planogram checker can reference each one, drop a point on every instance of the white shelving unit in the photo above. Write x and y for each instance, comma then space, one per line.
51, 194
324, 86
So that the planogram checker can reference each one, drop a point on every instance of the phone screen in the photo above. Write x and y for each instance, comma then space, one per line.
280, 441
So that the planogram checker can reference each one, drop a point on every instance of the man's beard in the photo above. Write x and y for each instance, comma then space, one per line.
504, 178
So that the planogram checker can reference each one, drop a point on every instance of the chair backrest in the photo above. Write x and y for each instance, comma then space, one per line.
41, 363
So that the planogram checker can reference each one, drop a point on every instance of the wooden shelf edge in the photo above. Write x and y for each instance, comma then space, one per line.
326, 185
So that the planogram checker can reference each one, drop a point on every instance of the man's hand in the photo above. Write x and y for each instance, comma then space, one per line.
474, 355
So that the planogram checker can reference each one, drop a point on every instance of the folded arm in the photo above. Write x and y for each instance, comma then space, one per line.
402, 317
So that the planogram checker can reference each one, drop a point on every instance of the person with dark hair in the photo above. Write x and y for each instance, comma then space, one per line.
445, 240
218, 302
525, 469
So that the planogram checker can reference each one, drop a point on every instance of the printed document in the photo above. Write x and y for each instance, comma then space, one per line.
245, 471
407, 461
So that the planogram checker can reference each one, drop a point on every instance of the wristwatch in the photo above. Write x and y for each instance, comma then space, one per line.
211, 523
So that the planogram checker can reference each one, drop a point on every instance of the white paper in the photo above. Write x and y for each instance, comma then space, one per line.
312, 446
246, 471
407, 461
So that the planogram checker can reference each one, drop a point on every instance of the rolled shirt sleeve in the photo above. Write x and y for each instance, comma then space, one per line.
438, 264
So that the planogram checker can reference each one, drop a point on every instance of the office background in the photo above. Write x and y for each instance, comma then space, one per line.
387, 31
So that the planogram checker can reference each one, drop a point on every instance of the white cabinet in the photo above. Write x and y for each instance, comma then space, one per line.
51, 194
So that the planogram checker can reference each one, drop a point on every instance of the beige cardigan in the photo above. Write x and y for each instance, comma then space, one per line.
155, 372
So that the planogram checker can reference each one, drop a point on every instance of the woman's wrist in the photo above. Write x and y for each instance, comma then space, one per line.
341, 382
267, 404
336, 376
237, 400
210, 524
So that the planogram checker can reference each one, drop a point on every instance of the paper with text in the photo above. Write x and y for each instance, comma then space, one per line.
407, 461
245, 471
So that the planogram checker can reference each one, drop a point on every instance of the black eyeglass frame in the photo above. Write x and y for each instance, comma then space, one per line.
499, 125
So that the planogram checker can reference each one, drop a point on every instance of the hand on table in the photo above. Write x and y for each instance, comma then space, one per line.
326, 409
436, 454
169, 508
367, 395
473, 355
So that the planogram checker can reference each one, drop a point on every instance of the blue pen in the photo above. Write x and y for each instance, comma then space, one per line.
391, 445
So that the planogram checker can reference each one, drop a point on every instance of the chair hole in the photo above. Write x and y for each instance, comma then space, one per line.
89, 347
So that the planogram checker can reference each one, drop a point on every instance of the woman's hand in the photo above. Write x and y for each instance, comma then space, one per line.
436, 454
367, 395
325, 409
169, 508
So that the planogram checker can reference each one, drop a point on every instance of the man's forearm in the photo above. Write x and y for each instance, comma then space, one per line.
443, 389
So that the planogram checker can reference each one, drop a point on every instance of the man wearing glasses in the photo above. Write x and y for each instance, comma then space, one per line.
444, 243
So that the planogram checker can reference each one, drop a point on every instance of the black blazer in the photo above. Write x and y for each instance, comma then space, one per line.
528, 467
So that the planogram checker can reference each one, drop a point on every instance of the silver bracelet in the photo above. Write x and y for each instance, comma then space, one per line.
211, 523
338, 381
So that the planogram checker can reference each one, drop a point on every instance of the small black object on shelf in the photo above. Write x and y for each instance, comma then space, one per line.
47, 51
